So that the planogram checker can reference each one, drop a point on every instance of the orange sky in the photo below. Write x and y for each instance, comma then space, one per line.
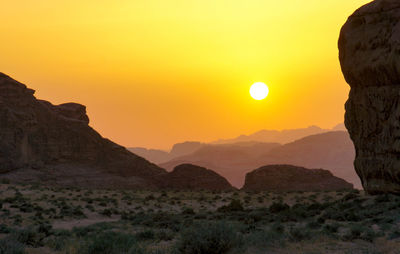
156, 72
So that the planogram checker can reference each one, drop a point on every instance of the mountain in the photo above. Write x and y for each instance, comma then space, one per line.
153, 155
229, 160
333, 151
160, 156
191, 177
185, 148
42, 142
274, 136
292, 178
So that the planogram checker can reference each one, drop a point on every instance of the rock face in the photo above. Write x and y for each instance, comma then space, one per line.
292, 178
369, 47
57, 140
191, 177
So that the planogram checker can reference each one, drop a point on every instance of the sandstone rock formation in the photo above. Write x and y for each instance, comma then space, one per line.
191, 177
292, 178
369, 47
43, 142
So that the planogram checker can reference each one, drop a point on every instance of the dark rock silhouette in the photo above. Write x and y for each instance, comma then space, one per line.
47, 143
292, 178
369, 47
191, 177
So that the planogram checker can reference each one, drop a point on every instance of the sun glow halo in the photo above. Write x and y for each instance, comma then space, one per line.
259, 91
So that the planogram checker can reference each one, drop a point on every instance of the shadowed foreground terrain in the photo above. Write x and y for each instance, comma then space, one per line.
38, 219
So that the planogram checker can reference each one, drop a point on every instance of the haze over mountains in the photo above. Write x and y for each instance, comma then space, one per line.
263, 136
327, 149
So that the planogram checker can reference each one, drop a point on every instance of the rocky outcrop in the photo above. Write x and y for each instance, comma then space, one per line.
369, 52
57, 141
191, 177
292, 178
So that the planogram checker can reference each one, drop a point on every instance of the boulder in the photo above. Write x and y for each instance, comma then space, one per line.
292, 178
369, 52
192, 177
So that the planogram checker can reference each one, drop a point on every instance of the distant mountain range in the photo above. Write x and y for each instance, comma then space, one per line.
263, 136
282, 137
310, 147
333, 151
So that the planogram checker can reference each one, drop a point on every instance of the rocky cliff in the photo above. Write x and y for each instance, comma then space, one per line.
43, 142
191, 177
292, 178
369, 52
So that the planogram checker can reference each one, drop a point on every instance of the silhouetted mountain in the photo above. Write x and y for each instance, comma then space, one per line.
54, 144
153, 155
160, 156
274, 136
191, 177
185, 148
292, 178
229, 160
333, 151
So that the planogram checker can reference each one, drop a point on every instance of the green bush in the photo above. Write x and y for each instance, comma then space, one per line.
11, 246
297, 234
234, 206
28, 236
109, 243
278, 207
146, 235
210, 238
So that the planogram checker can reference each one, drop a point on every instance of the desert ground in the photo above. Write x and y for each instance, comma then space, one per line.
42, 219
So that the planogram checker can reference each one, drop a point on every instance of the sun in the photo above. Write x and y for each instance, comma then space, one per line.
259, 91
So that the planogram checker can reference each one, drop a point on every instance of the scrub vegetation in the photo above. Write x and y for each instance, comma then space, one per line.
39, 219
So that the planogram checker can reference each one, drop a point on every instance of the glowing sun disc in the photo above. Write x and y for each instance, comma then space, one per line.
259, 91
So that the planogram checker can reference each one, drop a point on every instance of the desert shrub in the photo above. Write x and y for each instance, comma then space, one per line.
382, 198
4, 229
28, 236
210, 238
297, 234
314, 224
278, 228
5, 181
278, 207
90, 207
354, 232
261, 239
59, 239
188, 211
395, 234
11, 246
107, 212
234, 206
98, 227
109, 243
330, 228
164, 235
145, 235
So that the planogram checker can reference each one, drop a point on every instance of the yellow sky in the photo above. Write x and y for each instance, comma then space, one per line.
156, 72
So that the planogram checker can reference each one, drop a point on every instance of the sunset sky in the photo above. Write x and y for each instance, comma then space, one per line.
156, 72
